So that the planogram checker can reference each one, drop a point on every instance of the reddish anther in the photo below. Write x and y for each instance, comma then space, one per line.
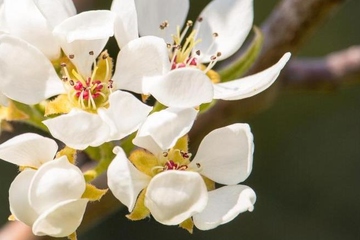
171, 165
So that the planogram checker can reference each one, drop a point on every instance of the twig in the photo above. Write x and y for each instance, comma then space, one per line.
324, 73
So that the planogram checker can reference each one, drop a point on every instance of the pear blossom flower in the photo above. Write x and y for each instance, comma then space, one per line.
23, 19
173, 189
93, 110
46, 195
219, 32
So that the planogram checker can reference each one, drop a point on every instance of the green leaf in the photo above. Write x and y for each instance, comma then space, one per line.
241, 65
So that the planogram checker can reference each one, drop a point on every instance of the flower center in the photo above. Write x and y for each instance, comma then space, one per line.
171, 165
183, 51
92, 92
174, 159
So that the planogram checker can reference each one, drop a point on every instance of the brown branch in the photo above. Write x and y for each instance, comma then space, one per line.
291, 23
324, 73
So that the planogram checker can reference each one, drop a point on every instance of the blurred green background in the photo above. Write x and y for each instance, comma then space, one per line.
306, 170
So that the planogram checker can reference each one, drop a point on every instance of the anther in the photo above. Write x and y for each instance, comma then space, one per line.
168, 45
63, 64
71, 82
110, 85
218, 54
164, 25
165, 154
71, 56
198, 52
184, 154
198, 165
199, 19
213, 58
105, 56
64, 79
189, 23
215, 34
91, 53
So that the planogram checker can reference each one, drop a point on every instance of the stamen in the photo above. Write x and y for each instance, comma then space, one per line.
71, 56
107, 72
78, 77
92, 101
64, 68
214, 59
91, 53
188, 25
215, 35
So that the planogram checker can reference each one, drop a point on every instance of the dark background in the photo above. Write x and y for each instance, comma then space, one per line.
306, 170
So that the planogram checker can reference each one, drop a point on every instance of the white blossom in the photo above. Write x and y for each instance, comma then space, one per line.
219, 32
174, 187
99, 112
47, 194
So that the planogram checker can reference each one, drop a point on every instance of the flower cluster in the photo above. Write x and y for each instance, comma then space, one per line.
56, 75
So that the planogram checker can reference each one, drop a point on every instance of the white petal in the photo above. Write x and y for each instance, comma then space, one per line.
84, 36
124, 180
250, 85
182, 88
24, 20
61, 220
174, 196
153, 13
55, 182
28, 149
162, 129
224, 205
126, 27
4, 101
56, 11
79, 129
27, 75
3, 28
124, 115
19, 200
225, 155
143, 57
231, 20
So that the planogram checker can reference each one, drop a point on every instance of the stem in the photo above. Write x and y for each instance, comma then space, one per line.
127, 144
35, 114
105, 151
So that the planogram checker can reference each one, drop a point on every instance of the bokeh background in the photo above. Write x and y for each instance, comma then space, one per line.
306, 170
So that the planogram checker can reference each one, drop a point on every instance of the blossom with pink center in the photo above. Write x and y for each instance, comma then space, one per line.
46, 195
99, 111
218, 32
174, 187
